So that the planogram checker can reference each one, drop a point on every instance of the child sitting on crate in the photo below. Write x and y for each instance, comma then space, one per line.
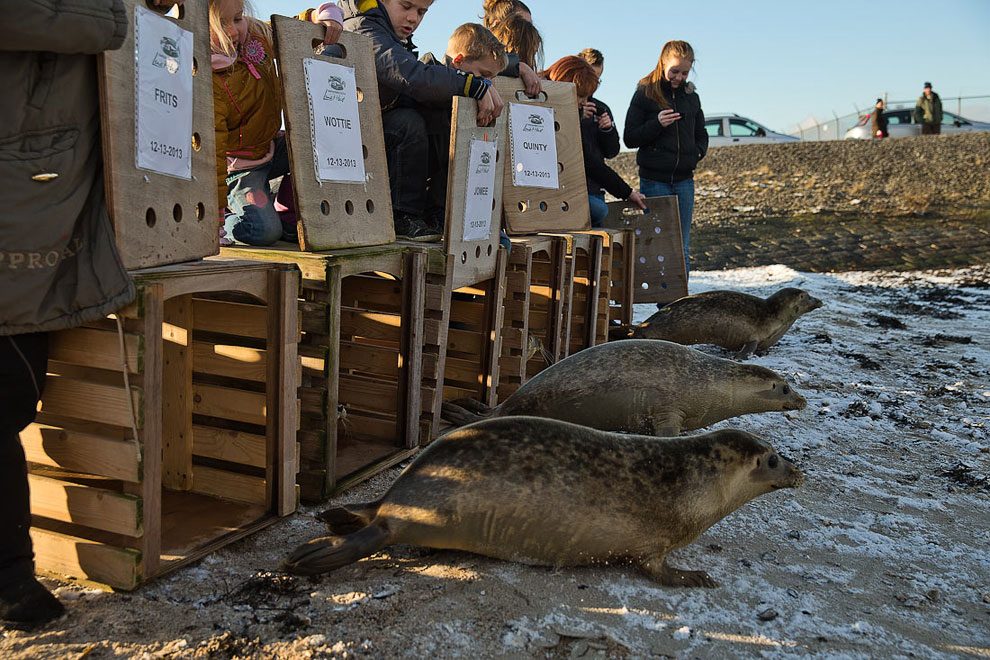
247, 105
410, 91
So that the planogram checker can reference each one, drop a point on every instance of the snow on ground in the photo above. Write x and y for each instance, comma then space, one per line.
882, 552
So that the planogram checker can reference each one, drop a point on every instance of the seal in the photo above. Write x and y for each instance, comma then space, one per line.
730, 319
550, 493
640, 386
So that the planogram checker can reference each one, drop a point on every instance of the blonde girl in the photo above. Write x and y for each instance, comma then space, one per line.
247, 104
667, 127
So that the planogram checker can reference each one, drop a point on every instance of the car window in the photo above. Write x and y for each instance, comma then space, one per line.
714, 128
950, 120
743, 128
899, 117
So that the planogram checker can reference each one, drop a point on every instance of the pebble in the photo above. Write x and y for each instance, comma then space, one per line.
767, 615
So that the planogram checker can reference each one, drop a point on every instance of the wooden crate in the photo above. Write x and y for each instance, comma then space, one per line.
660, 274
527, 209
361, 313
584, 255
615, 274
146, 460
159, 219
535, 294
333, 215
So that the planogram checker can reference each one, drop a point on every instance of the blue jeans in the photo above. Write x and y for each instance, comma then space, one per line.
252, 218
599, 209
685, 204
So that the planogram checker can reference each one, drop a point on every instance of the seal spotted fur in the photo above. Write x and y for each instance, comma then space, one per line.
545, 492
640, 386
730, 319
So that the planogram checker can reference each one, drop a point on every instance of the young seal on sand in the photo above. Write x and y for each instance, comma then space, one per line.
544, 492
640, 386
730, 319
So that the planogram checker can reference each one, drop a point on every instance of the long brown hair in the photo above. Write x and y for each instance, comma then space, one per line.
573, 69
496, 11
522, 38
670, 50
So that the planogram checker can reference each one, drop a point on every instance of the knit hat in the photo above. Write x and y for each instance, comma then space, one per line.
928, 85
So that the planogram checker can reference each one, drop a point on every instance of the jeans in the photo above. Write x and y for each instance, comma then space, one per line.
685, 204
252, 218
23, 362
599, 209
407, 153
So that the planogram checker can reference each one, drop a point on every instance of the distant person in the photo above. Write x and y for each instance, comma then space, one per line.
928, 111
665, 123
879, 121
600, 140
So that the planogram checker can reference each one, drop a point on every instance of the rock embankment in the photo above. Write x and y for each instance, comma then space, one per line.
944, 175
906, 203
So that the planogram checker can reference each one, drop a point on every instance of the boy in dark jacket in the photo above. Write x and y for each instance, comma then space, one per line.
410, 91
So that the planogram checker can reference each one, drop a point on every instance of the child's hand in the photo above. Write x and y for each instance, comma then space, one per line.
604, 121
530, 80
489, 107
333, 32
588, 110
668, 117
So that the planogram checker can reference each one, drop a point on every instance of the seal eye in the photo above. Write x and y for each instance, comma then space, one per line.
786, 390
773, 461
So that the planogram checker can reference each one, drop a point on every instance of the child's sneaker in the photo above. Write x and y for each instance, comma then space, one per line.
225, 241
411, 228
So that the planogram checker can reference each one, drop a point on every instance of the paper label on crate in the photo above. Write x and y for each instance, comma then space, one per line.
478, 210
534, 146
163, 68
333, 116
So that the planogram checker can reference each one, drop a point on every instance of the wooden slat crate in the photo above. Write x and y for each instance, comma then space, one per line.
584, 254
615, 272
535, 295
144, 461
361, 315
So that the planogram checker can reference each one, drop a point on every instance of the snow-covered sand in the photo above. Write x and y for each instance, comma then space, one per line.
883, 553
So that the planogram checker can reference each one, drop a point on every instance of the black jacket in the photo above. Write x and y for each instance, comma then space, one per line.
666, 154
399, 71
599, 145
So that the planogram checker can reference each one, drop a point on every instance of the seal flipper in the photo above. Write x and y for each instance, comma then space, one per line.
325, 554
349, 518
746, 350
456, 414
473, 405
662, 572
621, 332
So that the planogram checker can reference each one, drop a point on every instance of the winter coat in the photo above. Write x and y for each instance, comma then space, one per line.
59, 265
879, 123
247, 105
599, 145
667, 154
928, 111
399, 71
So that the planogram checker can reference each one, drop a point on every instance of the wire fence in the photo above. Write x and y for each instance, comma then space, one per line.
815, 129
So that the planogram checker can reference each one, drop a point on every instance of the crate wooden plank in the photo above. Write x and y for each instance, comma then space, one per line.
177, 393
474, 260
230, 318
104, 404
82, 452
229, 485
159, 219
99, 349
120, 568
91, 507
372, 359
330, 214
367, 394
529, 210
229, 403
360, 323
282, 412
660, 274
230, 361
231, 446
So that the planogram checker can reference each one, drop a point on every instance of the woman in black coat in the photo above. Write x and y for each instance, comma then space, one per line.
667, 127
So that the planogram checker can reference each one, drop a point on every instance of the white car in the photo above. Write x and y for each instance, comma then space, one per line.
900, 123
728, 130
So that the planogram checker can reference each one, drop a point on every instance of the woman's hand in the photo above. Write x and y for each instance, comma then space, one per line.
638, 199
588, 109
604, 122
668, 117
530, 80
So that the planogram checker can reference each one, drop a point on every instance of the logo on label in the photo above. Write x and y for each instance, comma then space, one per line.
336, 83
166, 59
536, 120
486, 158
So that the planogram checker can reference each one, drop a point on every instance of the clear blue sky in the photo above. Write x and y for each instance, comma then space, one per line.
776, 62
